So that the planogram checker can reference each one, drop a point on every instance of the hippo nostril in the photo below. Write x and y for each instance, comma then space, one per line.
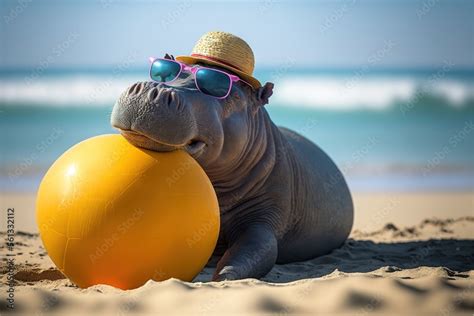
139, 88
135, 89
130, 90
169, 98
152, 94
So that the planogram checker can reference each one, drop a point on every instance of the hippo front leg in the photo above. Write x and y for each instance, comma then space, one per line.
252, 254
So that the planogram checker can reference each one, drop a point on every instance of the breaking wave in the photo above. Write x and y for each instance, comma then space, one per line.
84, 90
310, 91
373, 93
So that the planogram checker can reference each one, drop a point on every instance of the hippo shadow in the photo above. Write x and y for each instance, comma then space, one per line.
454, 256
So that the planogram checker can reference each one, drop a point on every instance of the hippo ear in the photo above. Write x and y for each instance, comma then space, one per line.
264, 93
169, 56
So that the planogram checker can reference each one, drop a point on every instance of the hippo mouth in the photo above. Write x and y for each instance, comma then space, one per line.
194, 147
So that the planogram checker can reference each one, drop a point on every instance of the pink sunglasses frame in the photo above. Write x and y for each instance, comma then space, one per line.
193, 70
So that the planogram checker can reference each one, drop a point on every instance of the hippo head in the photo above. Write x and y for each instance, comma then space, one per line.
166, 117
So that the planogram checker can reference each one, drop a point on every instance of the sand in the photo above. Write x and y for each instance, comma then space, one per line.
408, 254
372, 210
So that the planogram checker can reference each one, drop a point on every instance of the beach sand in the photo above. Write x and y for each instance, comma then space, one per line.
408, 254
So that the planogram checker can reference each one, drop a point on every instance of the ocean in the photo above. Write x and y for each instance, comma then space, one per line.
388, 130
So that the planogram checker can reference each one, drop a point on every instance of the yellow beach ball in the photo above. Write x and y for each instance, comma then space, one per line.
111, 213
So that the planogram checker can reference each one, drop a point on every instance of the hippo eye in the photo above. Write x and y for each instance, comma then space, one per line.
212, 82
164, 70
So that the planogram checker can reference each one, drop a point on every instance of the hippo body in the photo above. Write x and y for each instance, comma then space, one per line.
320, 207
303, 198
281, 198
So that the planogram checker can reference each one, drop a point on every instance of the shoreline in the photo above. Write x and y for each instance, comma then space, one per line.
371, 209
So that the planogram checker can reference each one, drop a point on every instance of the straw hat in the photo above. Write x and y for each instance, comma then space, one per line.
227, 51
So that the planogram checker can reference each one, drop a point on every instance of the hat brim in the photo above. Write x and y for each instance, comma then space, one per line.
193, 60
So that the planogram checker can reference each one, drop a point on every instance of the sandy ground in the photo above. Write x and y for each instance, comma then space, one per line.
372, 210
408, 254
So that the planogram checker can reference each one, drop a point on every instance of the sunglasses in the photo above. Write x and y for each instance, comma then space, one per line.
213, 82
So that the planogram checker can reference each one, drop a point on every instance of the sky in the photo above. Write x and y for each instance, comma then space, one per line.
427, 33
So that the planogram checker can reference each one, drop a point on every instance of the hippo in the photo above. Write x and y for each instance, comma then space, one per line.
281, 198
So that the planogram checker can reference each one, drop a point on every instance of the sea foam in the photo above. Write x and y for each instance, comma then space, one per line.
376, 93
311, 91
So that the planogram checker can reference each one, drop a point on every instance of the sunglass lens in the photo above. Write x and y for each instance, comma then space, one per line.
164, 70
214, 83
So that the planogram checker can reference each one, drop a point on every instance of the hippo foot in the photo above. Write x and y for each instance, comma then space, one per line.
251, 255
228, 273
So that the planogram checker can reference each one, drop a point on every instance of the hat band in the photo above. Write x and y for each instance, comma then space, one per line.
217, 60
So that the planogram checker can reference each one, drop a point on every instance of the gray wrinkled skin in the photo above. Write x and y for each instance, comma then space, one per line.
281, 198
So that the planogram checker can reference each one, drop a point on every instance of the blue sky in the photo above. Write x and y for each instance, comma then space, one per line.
314, 33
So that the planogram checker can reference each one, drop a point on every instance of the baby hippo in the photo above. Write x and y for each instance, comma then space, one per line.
281, 198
